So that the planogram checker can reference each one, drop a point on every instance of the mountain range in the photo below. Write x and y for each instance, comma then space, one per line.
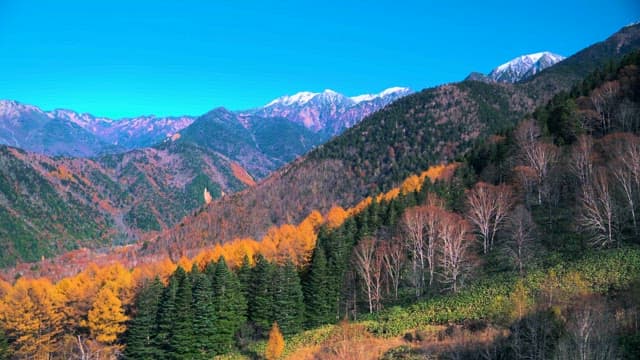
69, 133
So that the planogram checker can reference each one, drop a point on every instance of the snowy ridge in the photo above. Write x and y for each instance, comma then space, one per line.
524, 67
304, 97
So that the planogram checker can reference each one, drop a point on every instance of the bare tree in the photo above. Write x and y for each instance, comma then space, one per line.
625, 168
582, 160
454, 248
413, 222
368, 261
590, 333
520, 228
487, 209
394, 257
604, 99
536, 154
598, 207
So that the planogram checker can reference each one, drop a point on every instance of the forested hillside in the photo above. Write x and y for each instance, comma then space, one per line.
424, 128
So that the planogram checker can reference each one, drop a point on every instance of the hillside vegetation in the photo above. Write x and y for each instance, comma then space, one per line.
525, 247
426, 128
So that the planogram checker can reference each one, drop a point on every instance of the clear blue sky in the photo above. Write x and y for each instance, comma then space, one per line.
123, 58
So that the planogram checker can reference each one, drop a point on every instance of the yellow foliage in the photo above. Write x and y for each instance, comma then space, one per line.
106, 318
31, 315
520, 301
336, 216
411, 184
275, 345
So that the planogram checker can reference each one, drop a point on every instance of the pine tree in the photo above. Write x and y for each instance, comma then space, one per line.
288, 299
261, 295
204, 315
141, 328
275, 345
181, 342
230, 308
316, 291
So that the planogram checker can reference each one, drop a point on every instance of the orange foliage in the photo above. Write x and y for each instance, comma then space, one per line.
241, 174
336, 216
63, 173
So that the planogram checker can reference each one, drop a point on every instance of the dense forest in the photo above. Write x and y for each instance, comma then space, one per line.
524, 247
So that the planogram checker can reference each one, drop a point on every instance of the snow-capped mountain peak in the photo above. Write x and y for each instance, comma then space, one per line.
524, 67
396, 90
12, 108
297, 99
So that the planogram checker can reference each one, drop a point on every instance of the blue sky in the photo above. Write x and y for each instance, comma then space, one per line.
124, 58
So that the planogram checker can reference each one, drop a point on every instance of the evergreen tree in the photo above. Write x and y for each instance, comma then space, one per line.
316, 291
244, 276
166, 318
139, 336
288, 299
181, 343
204, 314
210, 271
230, 308
261, 295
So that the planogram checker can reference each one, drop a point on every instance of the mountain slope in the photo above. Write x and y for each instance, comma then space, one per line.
425, 128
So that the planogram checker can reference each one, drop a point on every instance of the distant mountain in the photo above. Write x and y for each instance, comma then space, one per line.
68, 133
519, 69
328, 112
524, 67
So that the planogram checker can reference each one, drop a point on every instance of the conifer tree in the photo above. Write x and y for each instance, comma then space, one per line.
167, 315
244, 276
230, 308
181, 343
316, 291
288, 299
139, 336
204, 315
261, 299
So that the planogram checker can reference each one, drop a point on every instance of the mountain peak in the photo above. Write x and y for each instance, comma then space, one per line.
524, 66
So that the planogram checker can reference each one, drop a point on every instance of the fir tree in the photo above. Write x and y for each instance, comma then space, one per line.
230, 308
139, 336
261, 298
316, 291
181, 343
244, 276
166, 318
288, 299
204, 315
